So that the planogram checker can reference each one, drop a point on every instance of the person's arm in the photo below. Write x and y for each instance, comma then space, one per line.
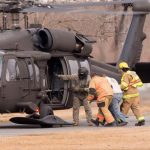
135, 81
68, 77
79, 89
125, 82
92, 91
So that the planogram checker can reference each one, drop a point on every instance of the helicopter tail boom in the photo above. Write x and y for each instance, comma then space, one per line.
133, 45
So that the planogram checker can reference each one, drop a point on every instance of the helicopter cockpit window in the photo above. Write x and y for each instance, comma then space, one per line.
30, 68
12, 71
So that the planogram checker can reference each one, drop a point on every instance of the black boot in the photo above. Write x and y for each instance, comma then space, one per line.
95, 122
103, 122
140, 123
121, 123
112, 124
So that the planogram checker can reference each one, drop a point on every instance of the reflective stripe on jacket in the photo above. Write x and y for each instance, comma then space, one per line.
128, 96
134, 82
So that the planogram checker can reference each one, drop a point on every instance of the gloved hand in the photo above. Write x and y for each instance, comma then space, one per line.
86, 89
93, 92
101, 104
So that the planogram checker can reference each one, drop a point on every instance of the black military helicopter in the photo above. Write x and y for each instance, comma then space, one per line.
30, 58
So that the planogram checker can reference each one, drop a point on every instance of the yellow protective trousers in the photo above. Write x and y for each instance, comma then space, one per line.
103, 112
134, 104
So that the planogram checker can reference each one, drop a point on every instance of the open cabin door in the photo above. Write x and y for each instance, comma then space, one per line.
60, 95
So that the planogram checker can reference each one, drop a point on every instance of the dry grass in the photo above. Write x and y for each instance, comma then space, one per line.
104, 139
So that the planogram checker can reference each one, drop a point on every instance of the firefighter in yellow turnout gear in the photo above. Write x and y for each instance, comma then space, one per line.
131, 97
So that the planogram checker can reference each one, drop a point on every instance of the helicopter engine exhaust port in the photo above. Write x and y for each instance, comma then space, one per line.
56, 40
45, 39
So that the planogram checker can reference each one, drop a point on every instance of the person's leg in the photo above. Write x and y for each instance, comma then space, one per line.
112, 107
115, 109
88, 111
99, 119
120, 101
126, 105
76, 107
104, 108
136, 108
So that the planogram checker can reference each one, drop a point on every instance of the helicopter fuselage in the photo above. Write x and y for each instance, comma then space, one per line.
29, 64
26, 69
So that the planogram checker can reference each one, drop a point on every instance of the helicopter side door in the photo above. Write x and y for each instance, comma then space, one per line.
12, 90
34, 80
19, 82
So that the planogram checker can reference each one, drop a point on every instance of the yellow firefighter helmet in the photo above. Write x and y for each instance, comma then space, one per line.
123, 65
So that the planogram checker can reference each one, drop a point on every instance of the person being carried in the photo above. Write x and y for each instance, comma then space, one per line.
130, 82
80, 91
115, 104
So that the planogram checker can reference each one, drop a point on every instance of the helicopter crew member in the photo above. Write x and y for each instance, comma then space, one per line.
130, 81
115, 104
100, 89
80, 91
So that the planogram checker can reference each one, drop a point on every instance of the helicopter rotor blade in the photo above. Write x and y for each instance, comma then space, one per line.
45, 9
66, 8
36, 6
8, 2
58, 9
101, 12
86, 4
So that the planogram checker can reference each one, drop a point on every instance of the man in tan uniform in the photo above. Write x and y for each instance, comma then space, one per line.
100, 89
80, 89
131, 97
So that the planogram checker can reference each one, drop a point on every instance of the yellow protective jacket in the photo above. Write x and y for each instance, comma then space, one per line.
129, 83
101, 86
